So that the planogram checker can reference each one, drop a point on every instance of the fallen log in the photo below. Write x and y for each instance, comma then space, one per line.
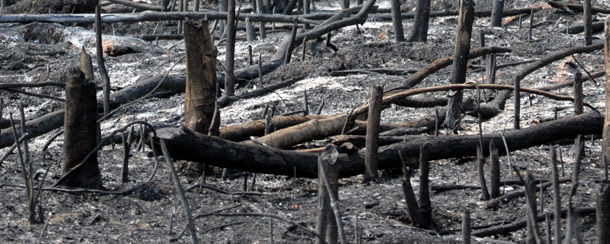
136, 5
483, 13
54, 120
146, 16
575, 7
257, 128
261, 159
37, 84
372, 71
575, 29
311, 130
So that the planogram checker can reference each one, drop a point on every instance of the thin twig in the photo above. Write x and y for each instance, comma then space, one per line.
180, 191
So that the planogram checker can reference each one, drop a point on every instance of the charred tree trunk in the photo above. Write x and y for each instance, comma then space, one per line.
261, 24
496, 14
164, 5
257, 159
460, 57
588, 22
200, 91
344, 4
422, 18
397, 21
606, 135
494, 168
556, 196
224, 7
481, 170
230, 52
603, 214
425, 205
80, 133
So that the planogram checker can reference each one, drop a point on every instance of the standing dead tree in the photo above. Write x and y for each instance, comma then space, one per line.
588, 22
606, 134
397, 21
460, 57
496, 14
422, 18
230, 50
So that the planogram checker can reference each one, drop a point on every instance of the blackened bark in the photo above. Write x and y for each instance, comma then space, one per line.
230, 50
494, 170
422, 18
397, 21
588, 22
603, 214
460, 57
496, 14
80, 133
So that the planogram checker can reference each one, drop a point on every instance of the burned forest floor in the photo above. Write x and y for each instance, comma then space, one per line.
375, 212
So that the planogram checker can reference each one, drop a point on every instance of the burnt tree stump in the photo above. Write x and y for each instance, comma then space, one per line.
80, 133
200, 91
